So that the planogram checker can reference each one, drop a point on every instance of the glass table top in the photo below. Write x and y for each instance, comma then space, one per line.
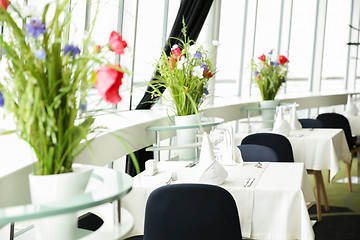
109, 185
204, 122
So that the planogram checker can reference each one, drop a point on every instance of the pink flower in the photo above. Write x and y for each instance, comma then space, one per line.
282, 59
116, 43
108, 82
4, 3
262, 58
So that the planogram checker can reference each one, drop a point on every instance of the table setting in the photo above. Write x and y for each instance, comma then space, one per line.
318, 149
253, 185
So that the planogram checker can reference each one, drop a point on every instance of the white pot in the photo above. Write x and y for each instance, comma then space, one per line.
187, 136
268, 112
45, 189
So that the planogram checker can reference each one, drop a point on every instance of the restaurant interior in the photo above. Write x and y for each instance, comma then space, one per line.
271, 150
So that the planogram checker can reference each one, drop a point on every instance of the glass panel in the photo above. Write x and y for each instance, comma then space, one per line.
301, 45
335, 48
229, 51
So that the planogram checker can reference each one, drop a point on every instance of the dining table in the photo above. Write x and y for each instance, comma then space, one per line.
319, 149
272, 198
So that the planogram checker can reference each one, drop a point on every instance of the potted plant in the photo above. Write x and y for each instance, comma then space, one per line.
269, 74
185, 74
45, 90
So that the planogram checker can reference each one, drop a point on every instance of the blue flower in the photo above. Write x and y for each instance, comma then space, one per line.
206, 92
271, 52
256, 73
71, 50
271, 63
83, 107
198, 55
40, 54
276, 64
204, 66
34, 28
2, 101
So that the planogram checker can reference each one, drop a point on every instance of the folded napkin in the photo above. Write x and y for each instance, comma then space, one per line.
294, 121
210, 170
351, 108
281, 125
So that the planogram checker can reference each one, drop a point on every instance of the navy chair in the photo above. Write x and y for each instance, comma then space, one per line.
257, 153
335, 120
279, 143
191, 212
310, 123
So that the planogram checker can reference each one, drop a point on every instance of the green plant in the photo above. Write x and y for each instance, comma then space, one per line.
185, 74
270, 73
48, 81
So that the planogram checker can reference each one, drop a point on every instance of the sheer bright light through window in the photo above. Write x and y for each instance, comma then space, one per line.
335, 48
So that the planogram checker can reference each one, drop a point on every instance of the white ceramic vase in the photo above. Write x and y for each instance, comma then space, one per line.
46, 190
268, 110
187, 136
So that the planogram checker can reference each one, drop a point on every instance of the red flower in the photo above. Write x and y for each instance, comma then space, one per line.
207, 73
4, 3
176, 51
282, 59
262, 58
108, 82
116, 43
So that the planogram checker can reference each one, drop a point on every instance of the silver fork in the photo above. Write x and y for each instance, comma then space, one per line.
172, 178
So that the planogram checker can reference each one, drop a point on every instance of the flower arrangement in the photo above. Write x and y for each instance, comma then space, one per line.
270, 73
49, 79
185, 74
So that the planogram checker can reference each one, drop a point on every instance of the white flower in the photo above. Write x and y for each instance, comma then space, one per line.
181, 62
198, 72
216, 43
30, 11
193, 49
174, 46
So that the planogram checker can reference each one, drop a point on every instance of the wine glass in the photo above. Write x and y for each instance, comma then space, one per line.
218, 140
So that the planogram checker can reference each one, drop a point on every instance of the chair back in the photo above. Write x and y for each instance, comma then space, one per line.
279, 143
310, 123
335, 120
191, 212
257, 153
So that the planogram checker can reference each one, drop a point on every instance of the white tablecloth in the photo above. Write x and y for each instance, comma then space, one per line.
274, 207
354, 122
319, 149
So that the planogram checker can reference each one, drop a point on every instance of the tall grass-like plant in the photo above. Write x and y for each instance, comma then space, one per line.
270, 73
48, 80
185, 73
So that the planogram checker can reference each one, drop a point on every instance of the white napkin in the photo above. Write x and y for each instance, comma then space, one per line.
351, 108
283, 128
281, 125
294, 121
211, 171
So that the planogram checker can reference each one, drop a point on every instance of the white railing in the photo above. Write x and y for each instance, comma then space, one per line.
132, 125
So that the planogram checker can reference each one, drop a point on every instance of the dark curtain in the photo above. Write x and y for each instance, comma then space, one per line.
194, 13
